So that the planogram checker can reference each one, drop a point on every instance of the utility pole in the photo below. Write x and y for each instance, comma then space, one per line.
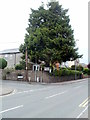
76, 65
75, 69
15, 60
35, 66
26, 59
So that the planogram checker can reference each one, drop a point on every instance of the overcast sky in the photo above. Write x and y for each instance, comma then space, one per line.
14, 15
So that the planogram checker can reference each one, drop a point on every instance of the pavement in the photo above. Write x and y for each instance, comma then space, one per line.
4, 90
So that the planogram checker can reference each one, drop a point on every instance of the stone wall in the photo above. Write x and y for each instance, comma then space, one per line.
41, 76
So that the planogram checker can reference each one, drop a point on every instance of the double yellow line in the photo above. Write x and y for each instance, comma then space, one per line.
85, 103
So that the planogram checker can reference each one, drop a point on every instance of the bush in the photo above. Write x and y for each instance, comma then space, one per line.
22, 66
66, 72
3, 63
89, 72
73, 67
86, 71
78, 68
68, 68
56, 73
18, 67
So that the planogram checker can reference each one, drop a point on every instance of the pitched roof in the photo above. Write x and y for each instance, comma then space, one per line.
10, 51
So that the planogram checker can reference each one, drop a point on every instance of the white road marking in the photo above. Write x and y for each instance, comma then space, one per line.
33, 90
55, 95
24, 91
85, 103
27, 91
82, 112
9, 94
77, 87
11, 109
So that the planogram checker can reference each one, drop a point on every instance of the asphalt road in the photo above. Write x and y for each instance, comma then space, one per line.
46, 100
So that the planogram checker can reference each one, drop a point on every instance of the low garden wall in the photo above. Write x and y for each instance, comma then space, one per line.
62, 78
41, 76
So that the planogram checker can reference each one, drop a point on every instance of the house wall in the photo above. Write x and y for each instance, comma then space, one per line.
12, 59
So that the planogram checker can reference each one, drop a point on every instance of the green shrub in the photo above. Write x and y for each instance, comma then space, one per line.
63, 68
3, 63
22, 66
18, 67
86, 71
66, 72
68, 68
78, 68
56, 73
73, 67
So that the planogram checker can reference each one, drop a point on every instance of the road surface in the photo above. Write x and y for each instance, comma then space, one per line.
46, 100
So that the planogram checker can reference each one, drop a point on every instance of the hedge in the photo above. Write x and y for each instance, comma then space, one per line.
78, 68
66, 72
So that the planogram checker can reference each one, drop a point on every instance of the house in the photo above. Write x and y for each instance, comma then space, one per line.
12, 56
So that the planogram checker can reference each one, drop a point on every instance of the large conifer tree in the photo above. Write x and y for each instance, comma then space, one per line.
49, 35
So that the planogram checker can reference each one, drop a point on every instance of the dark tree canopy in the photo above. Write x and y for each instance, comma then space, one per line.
49, 35
88, 66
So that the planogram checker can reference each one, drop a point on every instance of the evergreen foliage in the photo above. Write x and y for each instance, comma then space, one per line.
49, 35
3, 63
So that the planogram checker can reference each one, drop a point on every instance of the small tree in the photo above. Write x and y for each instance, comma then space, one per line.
3, 63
